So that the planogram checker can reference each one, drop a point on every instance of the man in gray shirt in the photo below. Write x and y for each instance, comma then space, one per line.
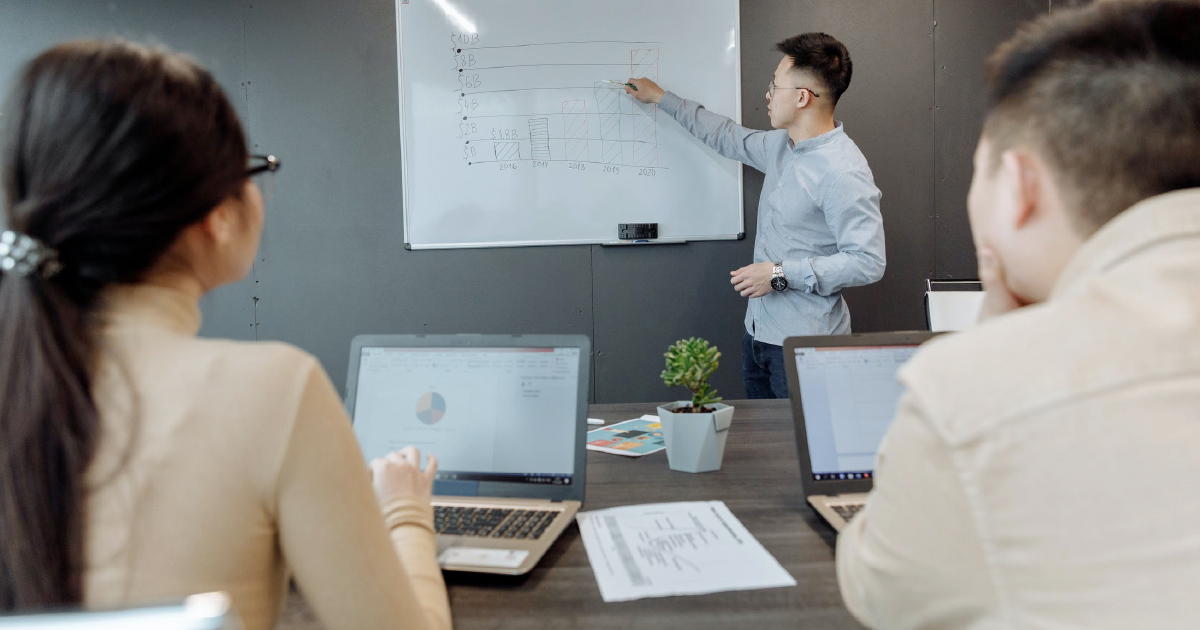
819, 226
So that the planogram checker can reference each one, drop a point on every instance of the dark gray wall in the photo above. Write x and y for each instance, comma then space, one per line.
315, 81
967, 32
212, 31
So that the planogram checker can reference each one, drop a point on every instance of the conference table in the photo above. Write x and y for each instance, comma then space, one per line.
758, 480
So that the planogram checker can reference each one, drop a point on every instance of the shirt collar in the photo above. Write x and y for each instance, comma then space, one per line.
1168, 217
818, 141
151, 305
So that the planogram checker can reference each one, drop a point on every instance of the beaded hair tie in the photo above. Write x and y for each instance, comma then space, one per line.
24, 255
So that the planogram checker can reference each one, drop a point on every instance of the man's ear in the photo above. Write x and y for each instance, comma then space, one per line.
1024, 179
806, 99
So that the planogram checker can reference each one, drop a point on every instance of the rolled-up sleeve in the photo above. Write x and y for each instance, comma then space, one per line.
912, 558
851, 206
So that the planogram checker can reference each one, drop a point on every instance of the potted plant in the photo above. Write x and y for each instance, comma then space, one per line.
695, 430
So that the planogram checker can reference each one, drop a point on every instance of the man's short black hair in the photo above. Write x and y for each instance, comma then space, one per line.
1109, 96
823, 56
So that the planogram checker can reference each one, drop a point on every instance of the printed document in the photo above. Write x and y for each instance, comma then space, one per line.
632, 438
664, 549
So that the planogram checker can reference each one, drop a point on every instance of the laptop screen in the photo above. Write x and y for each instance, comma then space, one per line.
849, 396
487, 413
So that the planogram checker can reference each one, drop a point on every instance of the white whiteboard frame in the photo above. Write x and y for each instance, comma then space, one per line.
737, 41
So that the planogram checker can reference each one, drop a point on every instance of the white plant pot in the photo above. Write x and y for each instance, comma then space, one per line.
695, 441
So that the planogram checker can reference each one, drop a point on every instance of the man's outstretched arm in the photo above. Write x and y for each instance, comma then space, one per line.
726, 137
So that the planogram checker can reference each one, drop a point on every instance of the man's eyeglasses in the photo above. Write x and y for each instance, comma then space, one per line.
262, 164
771, 87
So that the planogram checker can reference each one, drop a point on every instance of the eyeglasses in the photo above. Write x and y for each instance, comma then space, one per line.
771, 87
268, 164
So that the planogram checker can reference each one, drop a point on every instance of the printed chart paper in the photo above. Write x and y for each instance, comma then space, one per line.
664, 549
632, 438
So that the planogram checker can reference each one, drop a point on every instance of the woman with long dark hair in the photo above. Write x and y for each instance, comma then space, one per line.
138, 462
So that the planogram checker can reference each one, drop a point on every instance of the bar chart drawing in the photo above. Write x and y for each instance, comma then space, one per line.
539, 138
575, 125
607, 126
518, 126
644, 63
628, 129
507, 151
608, 100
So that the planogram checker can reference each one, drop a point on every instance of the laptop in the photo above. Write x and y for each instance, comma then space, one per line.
206, 611
506, 416
844, 395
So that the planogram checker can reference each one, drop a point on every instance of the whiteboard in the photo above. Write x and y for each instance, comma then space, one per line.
510, 137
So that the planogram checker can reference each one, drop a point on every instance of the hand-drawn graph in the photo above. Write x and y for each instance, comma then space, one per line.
609, 100
644, 63
516, 126
610, 128
575, 124
539, 138
507, 151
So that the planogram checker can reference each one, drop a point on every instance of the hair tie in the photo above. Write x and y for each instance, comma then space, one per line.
23, 255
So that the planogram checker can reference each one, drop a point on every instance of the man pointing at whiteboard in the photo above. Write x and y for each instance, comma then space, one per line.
819, 226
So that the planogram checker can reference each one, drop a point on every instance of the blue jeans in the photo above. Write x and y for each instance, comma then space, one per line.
763, 371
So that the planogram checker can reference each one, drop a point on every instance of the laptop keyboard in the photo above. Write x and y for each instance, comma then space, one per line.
847, 510
491, 522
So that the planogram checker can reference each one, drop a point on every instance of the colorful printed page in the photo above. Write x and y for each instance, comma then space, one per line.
632, 438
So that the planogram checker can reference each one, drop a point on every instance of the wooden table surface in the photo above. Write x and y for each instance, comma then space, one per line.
758, 480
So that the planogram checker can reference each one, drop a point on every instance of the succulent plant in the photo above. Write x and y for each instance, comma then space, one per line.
689, 363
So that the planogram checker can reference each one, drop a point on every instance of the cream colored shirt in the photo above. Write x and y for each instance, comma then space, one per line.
1044, 468
228, 466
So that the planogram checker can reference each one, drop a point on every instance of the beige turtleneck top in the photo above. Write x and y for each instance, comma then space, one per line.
230, 466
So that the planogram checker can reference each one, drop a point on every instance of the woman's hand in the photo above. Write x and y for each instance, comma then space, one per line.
399, 474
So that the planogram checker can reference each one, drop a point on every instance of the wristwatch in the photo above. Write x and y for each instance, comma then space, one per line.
778, 282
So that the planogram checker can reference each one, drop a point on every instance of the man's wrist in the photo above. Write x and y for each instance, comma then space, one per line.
800, 275
669, 102
779, 281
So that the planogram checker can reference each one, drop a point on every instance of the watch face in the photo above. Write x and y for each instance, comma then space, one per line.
779, 284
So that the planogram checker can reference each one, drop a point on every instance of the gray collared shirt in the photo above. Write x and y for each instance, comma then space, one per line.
818, 214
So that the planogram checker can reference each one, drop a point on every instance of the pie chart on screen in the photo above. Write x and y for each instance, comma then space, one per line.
431, 407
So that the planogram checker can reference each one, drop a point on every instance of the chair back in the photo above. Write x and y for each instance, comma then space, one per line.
952, 304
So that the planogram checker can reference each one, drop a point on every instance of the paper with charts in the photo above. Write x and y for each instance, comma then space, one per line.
513, 135
631, 438
665, 549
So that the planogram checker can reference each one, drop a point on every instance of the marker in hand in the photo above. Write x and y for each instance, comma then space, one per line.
621, 84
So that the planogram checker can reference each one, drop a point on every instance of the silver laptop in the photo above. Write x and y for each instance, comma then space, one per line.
506, 416
844, 394
207, 611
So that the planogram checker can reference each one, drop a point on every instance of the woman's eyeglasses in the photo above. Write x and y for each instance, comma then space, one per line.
262, 164
268, 164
